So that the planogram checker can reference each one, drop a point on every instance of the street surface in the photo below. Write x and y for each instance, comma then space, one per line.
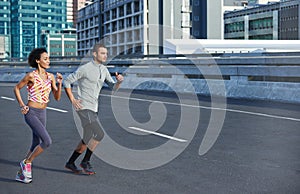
256, 151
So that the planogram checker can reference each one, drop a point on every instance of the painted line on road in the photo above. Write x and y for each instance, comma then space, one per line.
264, 115
7, 98
207, 107
56, 109
158, 134
50, 108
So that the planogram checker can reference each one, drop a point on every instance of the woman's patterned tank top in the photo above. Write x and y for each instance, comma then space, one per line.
40, 90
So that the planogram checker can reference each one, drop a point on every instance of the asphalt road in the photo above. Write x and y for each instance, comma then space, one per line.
152, 146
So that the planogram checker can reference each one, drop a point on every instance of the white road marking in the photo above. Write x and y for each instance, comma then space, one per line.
264, 115
7, 98
56, 109
207, 107
50, 108
158, 134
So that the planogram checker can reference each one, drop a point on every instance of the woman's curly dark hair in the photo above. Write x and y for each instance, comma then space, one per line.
35, 55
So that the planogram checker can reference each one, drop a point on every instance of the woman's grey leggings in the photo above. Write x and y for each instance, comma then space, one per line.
36, 119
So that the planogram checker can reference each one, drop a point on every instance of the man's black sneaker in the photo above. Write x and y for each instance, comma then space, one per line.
73, 168
87, 168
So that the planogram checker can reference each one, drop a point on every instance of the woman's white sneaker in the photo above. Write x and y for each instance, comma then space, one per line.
21, 178
26, 169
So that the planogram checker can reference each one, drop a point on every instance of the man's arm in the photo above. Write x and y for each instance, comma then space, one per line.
67, 85
75, 102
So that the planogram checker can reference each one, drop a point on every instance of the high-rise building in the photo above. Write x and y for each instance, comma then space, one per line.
133, 26
71, 20
5, 29
207, 17
88, 27
72, 9
289, 20
31, 18
123, 25
79, 4
142, 26
4, 17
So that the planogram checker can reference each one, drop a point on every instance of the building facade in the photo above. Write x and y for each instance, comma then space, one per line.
132, 26
142, 26
274, 21
29, 19
5, 29
289, 20
4, 46
207, 19
89, 26
25, 24
60, 44
72, 11
123, 26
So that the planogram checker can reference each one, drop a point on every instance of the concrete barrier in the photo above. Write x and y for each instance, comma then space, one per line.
277, 83
265, 78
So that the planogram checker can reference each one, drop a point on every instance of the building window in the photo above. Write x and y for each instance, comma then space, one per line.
234, 27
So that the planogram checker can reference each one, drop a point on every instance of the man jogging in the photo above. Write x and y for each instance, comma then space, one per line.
90, 78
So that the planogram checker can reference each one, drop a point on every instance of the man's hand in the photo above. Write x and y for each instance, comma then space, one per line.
77, 104
119, 78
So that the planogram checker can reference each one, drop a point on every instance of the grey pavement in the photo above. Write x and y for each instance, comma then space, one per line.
257, 150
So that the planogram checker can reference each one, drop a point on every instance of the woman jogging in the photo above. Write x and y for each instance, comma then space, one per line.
39, 85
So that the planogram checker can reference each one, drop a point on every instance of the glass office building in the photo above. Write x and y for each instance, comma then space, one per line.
4, 29
31, 18
4, 17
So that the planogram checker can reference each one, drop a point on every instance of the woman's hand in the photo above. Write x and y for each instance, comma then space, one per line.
59, 78
24, 109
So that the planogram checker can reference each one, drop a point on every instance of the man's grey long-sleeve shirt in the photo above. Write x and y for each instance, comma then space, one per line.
90, 78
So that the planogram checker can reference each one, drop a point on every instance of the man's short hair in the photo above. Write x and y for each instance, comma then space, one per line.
97, 46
